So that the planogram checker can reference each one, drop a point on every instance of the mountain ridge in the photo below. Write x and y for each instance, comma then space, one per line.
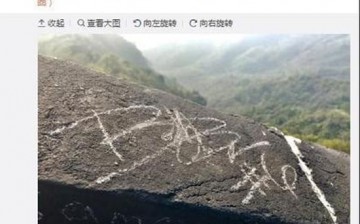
112, 54
288, 81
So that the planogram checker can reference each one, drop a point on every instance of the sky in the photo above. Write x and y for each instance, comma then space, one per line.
148, 41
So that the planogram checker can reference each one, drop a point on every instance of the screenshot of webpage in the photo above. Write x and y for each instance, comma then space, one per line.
191, 112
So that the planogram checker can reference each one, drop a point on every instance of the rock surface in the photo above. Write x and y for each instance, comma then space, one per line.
115, 152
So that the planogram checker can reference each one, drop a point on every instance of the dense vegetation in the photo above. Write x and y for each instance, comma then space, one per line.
113, 55
299, 83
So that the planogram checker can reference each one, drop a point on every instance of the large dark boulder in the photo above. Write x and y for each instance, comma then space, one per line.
114, 152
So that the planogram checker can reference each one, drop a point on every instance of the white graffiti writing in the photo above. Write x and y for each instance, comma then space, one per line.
320, 195
257, 181
180, 130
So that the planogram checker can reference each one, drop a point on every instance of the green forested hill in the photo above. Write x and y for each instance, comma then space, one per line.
313, 108
113, 55
260, 55
299, 83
